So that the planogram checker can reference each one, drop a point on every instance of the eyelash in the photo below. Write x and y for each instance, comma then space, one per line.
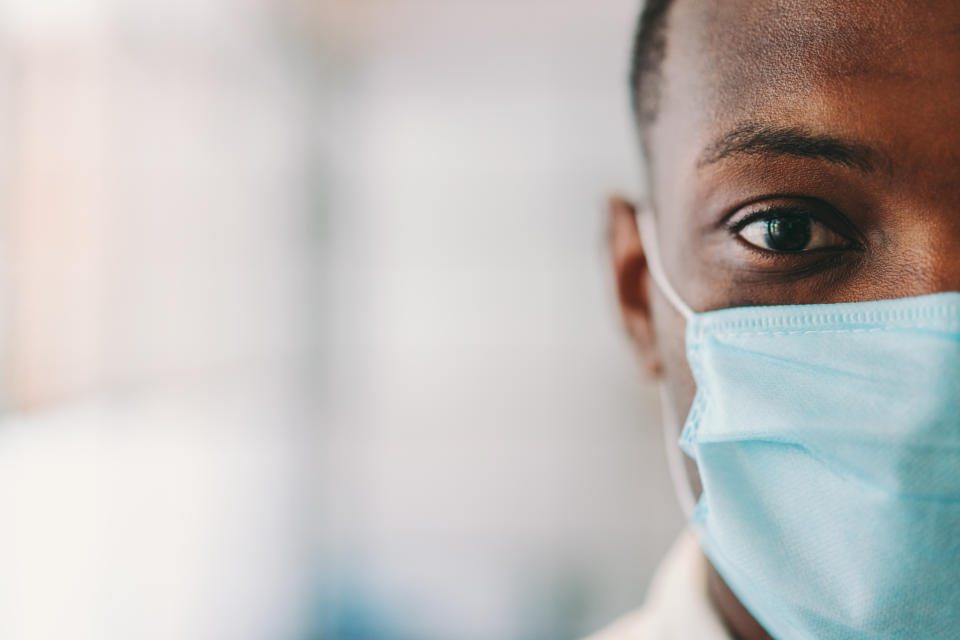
771, 212
783, 211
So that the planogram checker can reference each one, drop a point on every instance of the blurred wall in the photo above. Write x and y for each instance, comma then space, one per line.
155, 198
307, 329
493, 458
155, 287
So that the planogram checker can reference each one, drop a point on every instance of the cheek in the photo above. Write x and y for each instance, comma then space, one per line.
669, 333
670, 330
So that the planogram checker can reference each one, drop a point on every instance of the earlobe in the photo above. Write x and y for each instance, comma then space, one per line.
632, 281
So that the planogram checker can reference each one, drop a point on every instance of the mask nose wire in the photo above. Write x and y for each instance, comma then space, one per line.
651, 247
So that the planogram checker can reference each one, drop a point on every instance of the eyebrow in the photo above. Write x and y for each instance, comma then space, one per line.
759, 139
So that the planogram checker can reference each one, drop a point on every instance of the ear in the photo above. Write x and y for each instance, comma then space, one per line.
632, 281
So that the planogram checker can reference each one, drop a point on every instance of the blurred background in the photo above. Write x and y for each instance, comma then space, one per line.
307, 326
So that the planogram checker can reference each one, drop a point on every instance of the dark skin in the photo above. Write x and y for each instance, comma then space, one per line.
841, 117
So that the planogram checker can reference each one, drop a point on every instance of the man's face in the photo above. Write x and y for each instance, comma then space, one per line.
806, 151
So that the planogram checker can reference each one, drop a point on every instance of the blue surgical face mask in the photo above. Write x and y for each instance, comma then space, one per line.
827, 439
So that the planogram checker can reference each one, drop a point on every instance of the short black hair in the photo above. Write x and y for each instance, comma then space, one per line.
649, 49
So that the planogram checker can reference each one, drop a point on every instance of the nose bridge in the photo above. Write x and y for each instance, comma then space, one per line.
946, 278
933, 253
946, 256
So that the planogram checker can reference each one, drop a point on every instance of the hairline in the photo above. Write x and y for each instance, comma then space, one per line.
648, 52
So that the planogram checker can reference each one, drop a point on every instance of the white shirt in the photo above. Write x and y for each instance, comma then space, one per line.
677, 605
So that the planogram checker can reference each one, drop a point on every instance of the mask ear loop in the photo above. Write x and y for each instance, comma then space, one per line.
651, 248
668, 415
678, 472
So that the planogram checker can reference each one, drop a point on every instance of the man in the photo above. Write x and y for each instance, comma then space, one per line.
787, 280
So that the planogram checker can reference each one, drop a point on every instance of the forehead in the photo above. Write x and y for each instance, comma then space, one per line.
757, 48
886, 70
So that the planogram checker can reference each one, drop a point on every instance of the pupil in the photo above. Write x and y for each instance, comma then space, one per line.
788, 233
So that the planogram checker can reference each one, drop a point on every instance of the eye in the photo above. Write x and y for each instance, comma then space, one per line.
788, 231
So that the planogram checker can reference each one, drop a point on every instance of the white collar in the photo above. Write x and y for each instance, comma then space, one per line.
677, 605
